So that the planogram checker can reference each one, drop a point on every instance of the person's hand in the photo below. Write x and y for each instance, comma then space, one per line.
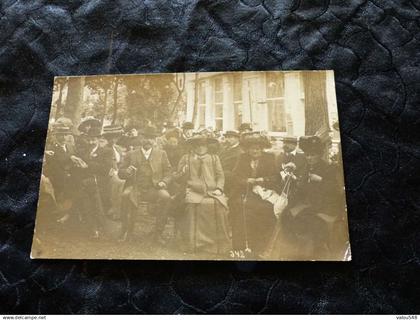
251, 181
217, 192
185, 169
131, 170
315, 177
78, 162
134, 132
289, 167
259, 180
162, 185
82, 164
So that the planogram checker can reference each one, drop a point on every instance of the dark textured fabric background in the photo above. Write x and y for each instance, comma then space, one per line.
373, 46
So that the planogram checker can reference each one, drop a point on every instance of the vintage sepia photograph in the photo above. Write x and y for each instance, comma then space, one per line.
193, 166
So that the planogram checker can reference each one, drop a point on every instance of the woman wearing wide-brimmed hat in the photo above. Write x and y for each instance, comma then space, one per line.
252, 217
204, 225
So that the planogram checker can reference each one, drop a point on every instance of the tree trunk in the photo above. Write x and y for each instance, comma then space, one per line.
180, 90
74, 101
60, 84
195, 108
105, 105
60, 97
316, 108
114, 115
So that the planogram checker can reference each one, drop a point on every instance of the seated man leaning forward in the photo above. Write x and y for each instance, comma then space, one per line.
147, 172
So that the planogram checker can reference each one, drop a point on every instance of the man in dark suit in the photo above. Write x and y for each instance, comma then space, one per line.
291, 162
291, 155
58, 169
245, 128
187, 133
94, 163
172, 147
229, 156
147, 172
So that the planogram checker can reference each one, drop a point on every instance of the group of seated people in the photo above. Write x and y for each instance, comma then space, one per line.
229, 195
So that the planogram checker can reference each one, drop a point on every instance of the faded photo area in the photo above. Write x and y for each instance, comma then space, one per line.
193, 166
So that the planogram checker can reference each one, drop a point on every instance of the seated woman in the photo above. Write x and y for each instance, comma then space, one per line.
252, 217
204, 225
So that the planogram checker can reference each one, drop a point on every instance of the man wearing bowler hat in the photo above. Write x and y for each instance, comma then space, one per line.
291, 160
245, 128
147, 172
187, 133
94, 164
58, 169
229, 156
187, 130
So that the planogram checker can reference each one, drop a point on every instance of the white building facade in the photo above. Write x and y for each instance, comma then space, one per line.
270, 101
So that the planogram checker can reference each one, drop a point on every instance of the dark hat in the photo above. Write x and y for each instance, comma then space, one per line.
188, 125
245, 126
232, 133
112, 130
293, 140
206, 132
88, 122
149, 132
172, 133
65, 122
310, 144
198, 139
132, 124
255, 138
93, 132
61, 129
128, 142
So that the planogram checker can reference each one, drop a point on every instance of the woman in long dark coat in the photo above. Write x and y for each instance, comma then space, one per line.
252, 218
204, 225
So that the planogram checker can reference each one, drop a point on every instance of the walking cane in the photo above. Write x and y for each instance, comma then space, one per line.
99, 224
244, 200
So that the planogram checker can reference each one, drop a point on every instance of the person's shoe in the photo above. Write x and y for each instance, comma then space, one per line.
123, 237
63, 218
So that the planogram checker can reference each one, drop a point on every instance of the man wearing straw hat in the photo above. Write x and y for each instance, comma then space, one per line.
112, 134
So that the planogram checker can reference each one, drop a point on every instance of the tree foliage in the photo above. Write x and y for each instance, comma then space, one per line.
118, 99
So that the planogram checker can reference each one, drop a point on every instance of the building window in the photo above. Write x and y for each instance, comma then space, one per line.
201, 103
277, 118
218, 103
237, 98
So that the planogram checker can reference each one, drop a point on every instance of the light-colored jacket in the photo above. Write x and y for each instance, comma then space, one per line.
204, 175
